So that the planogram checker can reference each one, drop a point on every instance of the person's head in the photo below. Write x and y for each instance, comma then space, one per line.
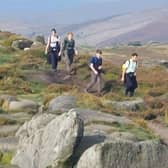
53, 32
98, 52
134, 56
70, 35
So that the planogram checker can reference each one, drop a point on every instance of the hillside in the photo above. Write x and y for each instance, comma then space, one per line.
49, 119
142, 26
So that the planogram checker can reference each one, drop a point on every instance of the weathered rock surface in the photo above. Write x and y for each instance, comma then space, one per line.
48, 140
8, 144
23, 105
131, 105
91, 116
22, 44
61, 104
125, 154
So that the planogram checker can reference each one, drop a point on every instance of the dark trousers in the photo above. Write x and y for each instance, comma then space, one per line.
53, 59
95, 79
130, 84
69, 61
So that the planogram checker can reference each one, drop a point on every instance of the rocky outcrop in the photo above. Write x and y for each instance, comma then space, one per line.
48, 140
130, 105
22, 44
125, 154
61, 104
40, 39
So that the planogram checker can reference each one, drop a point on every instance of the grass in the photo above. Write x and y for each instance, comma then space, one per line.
6, 158
141, 133
15, 66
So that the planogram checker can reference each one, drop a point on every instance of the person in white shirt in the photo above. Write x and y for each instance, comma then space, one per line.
129, 75
53, 49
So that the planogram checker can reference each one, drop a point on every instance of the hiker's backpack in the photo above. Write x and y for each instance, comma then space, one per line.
123, 65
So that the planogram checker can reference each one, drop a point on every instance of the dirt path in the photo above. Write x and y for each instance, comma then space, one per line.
160, 130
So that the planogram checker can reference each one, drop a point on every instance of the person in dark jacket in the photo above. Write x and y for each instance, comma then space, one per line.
96, 70
69, 51
53, 49
129, 75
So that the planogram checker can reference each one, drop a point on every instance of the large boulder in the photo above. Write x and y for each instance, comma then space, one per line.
22, 44
130, 105
48, 141
61, 104
23, 105
125, 154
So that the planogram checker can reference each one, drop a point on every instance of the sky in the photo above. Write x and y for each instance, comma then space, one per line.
72, 11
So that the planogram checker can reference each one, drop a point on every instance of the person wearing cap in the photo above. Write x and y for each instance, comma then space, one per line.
53, 49
96, 70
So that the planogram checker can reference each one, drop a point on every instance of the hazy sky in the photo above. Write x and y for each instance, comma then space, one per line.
72, 11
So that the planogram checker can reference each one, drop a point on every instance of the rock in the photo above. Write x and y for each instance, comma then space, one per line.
91, 116
132, 105
164, 63
61, 104
22, 44
125, 154
40, 39
48, 141
23, 105
26, 49
20, 118
5, 100
8, 144
8, 130
122, 136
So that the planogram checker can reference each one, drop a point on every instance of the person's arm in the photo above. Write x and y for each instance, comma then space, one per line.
47, 46
75, 49
60, 45
123, 74
93, 69
124, 68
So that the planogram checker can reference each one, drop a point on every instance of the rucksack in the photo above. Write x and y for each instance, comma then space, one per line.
123, 65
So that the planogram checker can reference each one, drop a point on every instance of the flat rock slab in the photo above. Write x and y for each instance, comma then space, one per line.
8, 144
130, 105
62, 104
8, 130
92, 116
23, 105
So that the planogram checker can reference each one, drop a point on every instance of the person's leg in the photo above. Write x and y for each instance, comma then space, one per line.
54, 61
127, 85
93, 81
99, 83
71, 62
67, 62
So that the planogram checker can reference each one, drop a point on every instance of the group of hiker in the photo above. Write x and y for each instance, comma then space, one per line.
56, 50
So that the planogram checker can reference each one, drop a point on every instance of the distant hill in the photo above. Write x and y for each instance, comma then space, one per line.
150, 25
146, 26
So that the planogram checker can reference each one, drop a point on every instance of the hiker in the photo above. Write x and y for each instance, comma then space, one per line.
69, 51
129, 75
53, 49
96, 70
